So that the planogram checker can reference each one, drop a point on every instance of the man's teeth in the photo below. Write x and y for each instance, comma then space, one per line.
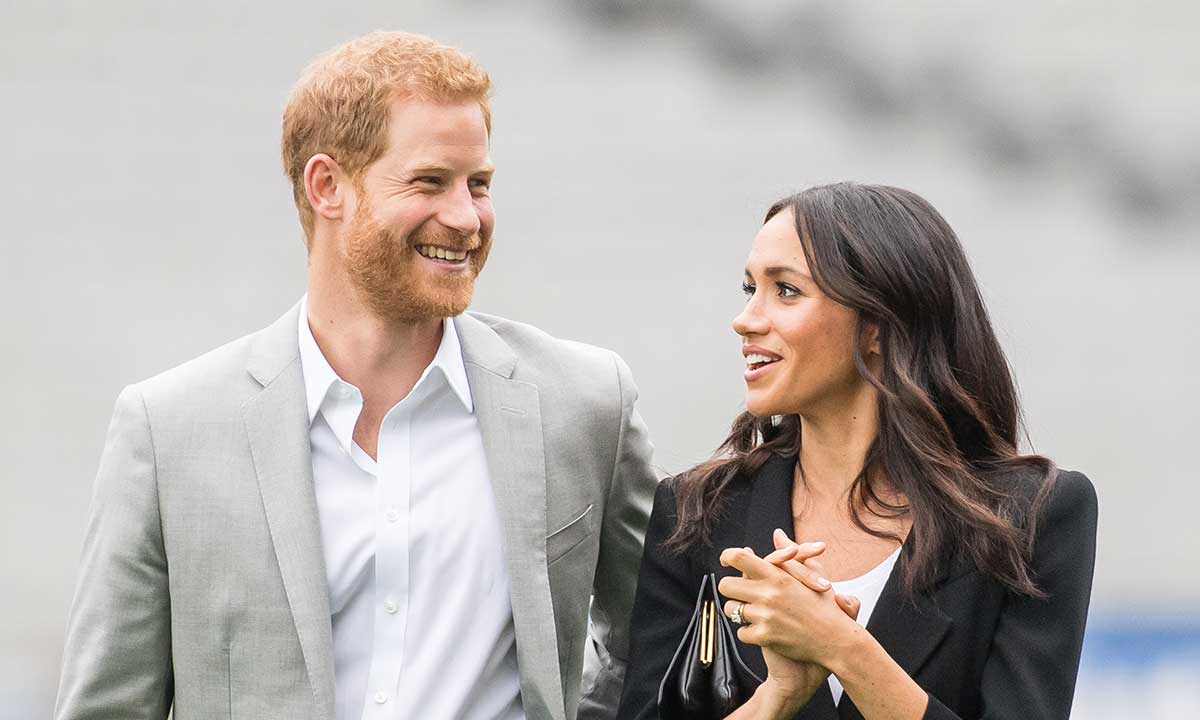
759, 359
440, 253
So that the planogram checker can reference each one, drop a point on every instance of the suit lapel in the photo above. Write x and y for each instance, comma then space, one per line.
909, 630
510, 421
770, 507
277, 430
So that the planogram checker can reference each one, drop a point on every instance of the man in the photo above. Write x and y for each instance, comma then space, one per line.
379, 506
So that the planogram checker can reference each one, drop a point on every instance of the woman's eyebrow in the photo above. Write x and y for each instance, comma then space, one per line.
777, 270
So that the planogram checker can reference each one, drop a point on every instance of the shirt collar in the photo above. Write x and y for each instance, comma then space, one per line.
449, 359
319, 375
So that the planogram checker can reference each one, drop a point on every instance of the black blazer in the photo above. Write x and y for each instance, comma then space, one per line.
977, 649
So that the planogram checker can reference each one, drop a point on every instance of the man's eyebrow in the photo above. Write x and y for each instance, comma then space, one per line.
438, 169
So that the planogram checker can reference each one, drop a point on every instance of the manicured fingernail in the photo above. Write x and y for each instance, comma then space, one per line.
823, 582
819, 543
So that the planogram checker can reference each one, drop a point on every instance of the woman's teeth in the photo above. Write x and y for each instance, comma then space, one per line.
759, 359
438, 253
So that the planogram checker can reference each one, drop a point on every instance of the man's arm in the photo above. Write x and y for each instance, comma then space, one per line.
626, 513
117, 659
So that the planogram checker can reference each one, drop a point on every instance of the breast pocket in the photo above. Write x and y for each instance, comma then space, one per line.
569, 536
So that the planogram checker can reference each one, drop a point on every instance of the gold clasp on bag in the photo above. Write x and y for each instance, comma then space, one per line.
708, 632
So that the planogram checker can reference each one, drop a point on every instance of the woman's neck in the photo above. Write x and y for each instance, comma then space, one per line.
834, 444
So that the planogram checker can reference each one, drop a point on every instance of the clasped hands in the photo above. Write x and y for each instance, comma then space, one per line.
788, 610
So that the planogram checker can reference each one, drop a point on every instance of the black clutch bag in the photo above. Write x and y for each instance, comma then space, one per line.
706, 678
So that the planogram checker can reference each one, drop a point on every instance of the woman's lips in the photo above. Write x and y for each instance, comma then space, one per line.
758, 370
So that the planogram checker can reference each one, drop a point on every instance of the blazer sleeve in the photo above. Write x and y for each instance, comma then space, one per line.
666, 596
623, 530
117, 659
1030, 672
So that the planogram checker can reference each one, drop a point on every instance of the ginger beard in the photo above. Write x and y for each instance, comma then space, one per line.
387, 273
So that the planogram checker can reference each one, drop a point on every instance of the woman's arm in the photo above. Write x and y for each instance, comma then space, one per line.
662, 608
878, 686
1034, 659
1031, 669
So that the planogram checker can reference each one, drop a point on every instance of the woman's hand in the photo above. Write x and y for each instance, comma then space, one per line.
784, 612
791, 683
801, 562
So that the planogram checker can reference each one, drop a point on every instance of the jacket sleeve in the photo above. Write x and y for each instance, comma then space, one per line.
1030, 671
666, 596
623, 529
117, 659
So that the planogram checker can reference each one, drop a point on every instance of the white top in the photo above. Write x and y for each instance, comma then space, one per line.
414, 557
867, 589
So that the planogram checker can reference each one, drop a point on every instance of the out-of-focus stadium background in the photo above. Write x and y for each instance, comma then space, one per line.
146, 220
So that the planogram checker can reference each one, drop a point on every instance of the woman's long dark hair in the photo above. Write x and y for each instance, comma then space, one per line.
949, 416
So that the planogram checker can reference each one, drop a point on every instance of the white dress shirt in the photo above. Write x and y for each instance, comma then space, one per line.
414, 557
867, 589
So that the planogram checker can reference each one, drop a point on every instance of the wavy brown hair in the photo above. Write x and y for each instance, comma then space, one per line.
949, 416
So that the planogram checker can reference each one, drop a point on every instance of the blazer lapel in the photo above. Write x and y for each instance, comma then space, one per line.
510, 422
277, 429
770, 507
909, 630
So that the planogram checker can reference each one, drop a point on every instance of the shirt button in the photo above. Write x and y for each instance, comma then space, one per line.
392, 514
390, 607
380, 698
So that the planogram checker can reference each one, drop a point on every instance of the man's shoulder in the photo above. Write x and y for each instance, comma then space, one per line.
539, 347
216, 377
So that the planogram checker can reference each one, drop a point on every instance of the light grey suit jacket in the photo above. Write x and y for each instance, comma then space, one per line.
202, 583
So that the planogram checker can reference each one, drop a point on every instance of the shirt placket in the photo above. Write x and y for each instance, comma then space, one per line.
392, 577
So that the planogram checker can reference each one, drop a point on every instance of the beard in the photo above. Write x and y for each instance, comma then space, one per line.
387, 274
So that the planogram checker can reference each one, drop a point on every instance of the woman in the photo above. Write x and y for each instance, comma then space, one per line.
882, 421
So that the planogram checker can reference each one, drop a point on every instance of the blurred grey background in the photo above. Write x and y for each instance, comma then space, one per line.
146, 220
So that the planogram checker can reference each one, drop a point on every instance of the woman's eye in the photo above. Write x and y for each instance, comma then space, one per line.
786, 290
747, 289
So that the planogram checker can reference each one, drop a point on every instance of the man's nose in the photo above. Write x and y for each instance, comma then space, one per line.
458, 211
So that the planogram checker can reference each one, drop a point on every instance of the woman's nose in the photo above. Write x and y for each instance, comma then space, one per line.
750, 321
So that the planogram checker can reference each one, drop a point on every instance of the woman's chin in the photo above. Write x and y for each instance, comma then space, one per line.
760, 409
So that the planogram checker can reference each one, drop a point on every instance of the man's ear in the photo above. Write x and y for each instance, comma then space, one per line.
325, 185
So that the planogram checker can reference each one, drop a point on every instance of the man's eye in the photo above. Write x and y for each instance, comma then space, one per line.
428, 180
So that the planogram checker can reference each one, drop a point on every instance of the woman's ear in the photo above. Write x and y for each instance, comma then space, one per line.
870, 338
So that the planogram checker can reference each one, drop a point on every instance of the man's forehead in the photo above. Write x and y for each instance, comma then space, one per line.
446, 136
438, 119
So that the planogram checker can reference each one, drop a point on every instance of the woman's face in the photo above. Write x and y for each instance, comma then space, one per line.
798, 343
